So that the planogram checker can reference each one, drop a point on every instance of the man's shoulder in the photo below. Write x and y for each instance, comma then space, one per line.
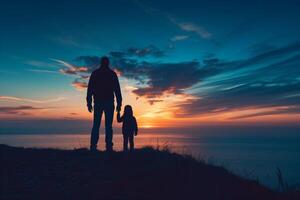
113, 72
99, 70
95, 71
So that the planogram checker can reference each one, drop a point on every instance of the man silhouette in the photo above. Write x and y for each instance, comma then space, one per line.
102, 87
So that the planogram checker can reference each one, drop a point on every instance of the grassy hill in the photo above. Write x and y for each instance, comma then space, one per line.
143, 174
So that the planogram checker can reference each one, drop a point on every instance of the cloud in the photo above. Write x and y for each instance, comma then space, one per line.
185, 26
276, 111
43, 71
148, 51
80, 72
42, 67
64, 63
264, 80
270, 79
243, 98
191, 27
19, 110
179, 38
37, 63
169, 78
160, 78
155, 80
66, 40
79, 84
70, 69
84, 77
121, 61
273, 54
152, 101
12, 98
90, 61
261, 48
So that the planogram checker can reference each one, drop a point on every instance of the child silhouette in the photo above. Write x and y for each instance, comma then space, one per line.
129, 127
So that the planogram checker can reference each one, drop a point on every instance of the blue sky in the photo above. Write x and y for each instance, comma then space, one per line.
191, 59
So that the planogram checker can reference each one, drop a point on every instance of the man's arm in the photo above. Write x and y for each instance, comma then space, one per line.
135, 126
118, 94
89, 95
119, 118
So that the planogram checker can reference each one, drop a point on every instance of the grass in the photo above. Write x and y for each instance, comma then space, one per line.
147, 173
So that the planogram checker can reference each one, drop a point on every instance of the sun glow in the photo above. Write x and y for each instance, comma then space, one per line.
165, 113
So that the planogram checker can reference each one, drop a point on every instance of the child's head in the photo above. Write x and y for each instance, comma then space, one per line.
128, 111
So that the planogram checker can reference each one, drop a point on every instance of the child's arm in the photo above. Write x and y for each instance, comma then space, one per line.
135, 127
119, 119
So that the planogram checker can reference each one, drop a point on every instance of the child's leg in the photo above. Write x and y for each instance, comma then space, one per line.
125, 142
131, 141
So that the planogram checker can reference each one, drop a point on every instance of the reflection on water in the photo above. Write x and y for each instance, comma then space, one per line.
247, 155
72, 141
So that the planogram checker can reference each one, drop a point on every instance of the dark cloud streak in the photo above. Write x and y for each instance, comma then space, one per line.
268, 79
19, 110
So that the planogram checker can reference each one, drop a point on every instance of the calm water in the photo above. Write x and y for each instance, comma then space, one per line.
252, 156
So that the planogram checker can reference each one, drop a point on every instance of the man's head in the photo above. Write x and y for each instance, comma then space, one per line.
104, 62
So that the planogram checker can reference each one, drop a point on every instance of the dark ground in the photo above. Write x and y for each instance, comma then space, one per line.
142, 174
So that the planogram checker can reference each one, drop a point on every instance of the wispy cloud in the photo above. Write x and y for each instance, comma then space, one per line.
66, 64
67, 40
148, 51
267, 80
37, 63
79, 84
273, 111
70, 68
179, 38
191, 27
43, 71
19, 99
80, 72
43, 67
185, 26
18, 110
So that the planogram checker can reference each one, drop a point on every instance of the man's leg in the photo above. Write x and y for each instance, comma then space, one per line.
98, 110
125, 142
131, 138
109, 115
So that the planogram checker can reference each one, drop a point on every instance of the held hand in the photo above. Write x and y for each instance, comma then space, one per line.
90, 108
118, 108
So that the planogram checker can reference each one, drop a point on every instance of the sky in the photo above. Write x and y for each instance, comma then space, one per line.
180, 63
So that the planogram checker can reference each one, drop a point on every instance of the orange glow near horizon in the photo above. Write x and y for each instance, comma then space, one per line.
161, 114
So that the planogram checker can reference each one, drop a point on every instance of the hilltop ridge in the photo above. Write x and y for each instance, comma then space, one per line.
147, 173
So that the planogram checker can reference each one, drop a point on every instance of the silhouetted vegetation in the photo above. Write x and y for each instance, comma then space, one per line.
142, 174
